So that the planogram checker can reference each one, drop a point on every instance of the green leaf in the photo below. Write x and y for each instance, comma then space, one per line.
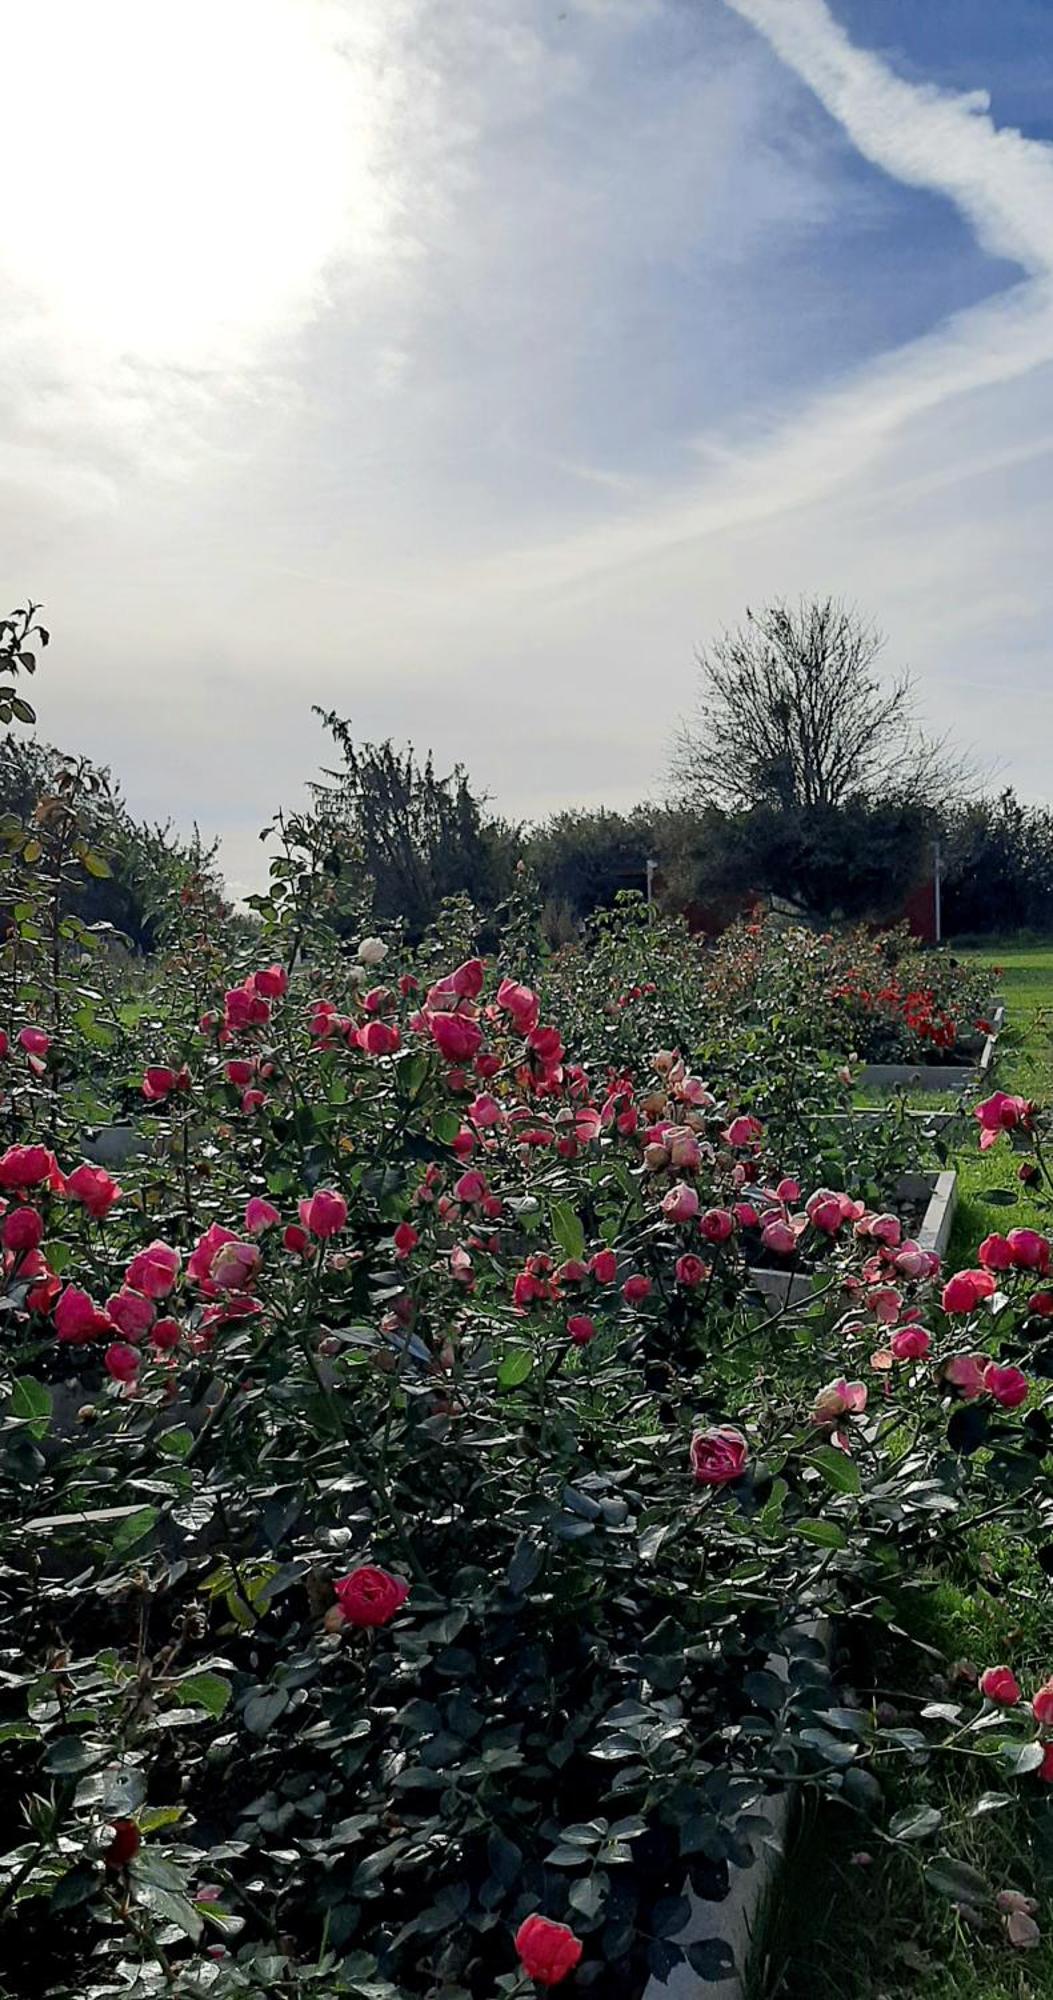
567, 1230
526, 1562
515, 1368
264, 1708
826, 1534
916, 1823
75, 1886
31, 1404
134, 1529
712, 1959
840, 1472
176, 1444
95, 865
178, 1910
209, 1691
957, 1881
69, 1755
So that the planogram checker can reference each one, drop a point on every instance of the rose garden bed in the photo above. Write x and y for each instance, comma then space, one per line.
413, 1535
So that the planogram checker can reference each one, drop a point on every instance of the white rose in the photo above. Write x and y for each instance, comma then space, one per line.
372, 951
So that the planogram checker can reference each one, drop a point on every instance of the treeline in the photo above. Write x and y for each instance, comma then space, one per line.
803, 777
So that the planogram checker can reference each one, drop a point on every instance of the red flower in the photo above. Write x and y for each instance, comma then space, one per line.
636, 1289
28, 1166
1000, 1685
604, 1267
456, 1037
324, 1213
581, 1329
547, 1951
963, 1292
1042, 1703
718, 1455
154, 1270
1008, 1386
94, 1188
159, 1082
78, 1318
125, 1844
22, 1230
405, 1239
370, 1596
690, 1271
272, 982
122, 1361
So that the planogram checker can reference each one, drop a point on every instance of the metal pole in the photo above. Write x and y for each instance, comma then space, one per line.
651, 866
937, 891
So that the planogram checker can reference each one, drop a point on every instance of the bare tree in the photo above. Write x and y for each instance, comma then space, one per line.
793, 714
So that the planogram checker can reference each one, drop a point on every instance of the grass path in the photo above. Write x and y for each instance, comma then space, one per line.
852, 1929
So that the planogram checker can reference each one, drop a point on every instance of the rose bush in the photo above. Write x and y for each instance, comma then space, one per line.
406, 1498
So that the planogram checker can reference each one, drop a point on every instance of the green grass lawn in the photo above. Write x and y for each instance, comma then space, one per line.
851, 1930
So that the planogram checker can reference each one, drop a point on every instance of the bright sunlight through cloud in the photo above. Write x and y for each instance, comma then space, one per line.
184, 176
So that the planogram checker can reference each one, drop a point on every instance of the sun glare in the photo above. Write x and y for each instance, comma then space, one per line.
179, 177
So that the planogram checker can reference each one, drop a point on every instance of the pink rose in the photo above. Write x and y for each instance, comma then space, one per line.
718, 1455
604, 1267
681, 1203
35, 1042
1001, 1113
965, 1372
370, 1596
996, 1253
1042, 1703
523, 1005
839, 1399
324, 1213
122, 1362
779, 1237
690, 1271
963, 1292
235, 1266
94, 1188
1030, 1250
743, 1131
789, 1191
78, 1318
885, 1303
716, 1225
1000, 1685
272, 982
131, 1314
910, 1342
260, 1215
470, 1188
581, 1329
23, 1230
636, 1289
1008, 1386
154, 1270
456, 1037
485, 1111
28, 1166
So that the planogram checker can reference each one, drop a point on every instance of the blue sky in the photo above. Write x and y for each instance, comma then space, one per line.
466, 368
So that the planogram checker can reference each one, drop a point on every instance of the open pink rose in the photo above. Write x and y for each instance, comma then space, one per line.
718, 1455
94, 1188
1008, 1386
